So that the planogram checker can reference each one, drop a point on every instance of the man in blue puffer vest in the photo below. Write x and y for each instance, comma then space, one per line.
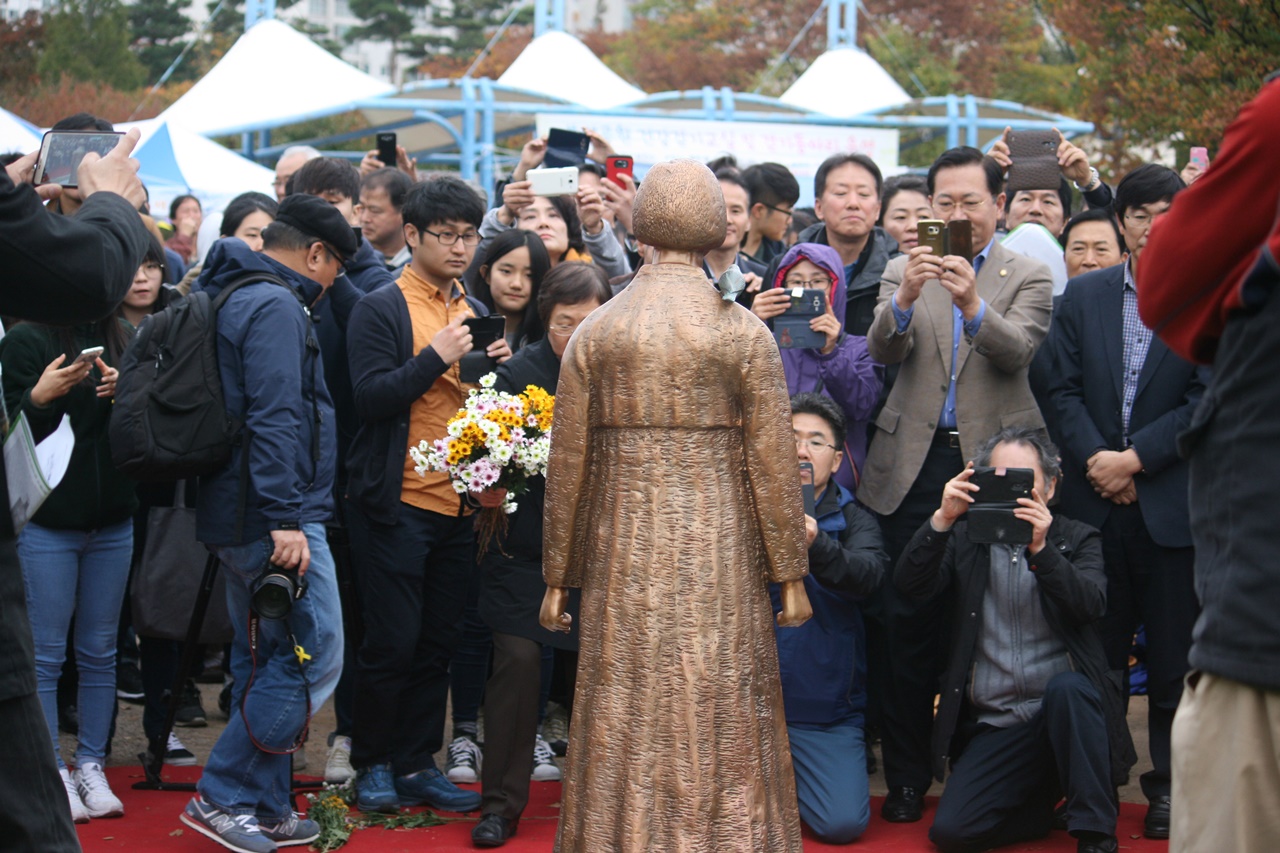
823, 662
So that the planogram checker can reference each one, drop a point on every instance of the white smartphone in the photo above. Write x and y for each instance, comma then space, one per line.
88, 355
550, 182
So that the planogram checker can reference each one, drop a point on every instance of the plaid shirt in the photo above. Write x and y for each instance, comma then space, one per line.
1137, 340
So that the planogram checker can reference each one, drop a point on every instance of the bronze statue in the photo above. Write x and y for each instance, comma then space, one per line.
673, 499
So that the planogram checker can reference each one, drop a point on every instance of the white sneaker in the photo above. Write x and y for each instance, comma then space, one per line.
545, 768
463, 764
338, 769
95, 793
79, 814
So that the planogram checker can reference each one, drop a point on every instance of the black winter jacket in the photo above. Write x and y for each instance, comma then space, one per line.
1072, 592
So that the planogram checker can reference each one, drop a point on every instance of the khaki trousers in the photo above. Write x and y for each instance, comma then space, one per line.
1226, 768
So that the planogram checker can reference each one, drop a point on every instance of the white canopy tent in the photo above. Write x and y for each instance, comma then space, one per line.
17, 134
272, 75
557, 65
176, 161
845, 82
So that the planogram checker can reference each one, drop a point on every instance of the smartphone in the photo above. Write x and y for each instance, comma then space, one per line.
791, 328
619, 166
387, 149
1200, 157
807, 489
62, 150
88, 355
933, 233
1035, 160
960, 239
484, 331
566, 148
553, 182
991, 518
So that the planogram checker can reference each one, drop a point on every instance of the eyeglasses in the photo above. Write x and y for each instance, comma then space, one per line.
946, 206
782, 210
812, 284
813, 444
152, 266
448, 238
562, 330
1140, 218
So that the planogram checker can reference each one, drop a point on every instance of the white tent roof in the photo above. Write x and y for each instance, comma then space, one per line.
16, 134
272, 75
558, 65
845, 82
175, 161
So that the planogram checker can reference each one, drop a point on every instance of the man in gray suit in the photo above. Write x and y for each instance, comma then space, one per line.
963, 334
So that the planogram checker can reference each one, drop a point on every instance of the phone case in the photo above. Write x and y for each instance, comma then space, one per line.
791, 330
566, 148
991, 519
1035, 161
960, 238
484, 331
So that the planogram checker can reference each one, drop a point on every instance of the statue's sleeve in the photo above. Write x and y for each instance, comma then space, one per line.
563, 524
773, 471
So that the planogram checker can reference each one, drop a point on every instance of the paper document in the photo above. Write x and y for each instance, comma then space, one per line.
34, 470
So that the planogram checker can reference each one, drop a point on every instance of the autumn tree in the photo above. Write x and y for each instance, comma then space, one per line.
21, 40
464, 31
1166, 70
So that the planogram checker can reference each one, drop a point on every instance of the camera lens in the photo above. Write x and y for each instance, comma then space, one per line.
273, 596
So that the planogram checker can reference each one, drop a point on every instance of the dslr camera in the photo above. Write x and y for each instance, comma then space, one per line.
275, 591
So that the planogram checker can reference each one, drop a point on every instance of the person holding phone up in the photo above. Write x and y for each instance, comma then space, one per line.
1029, 712
842, 368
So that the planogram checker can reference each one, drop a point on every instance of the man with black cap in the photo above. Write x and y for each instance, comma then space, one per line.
265, 512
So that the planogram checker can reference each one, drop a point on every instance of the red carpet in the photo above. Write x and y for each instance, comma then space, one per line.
151, 825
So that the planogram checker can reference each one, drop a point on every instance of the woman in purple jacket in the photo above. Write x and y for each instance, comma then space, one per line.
842, 369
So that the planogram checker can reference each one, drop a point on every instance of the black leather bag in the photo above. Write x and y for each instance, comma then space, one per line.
167, 579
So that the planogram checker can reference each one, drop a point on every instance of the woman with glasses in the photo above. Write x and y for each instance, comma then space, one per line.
75, 551
511, 580
842, 368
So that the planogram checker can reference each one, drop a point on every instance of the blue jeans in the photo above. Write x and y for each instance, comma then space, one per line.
831, 779
79, 573
239, 777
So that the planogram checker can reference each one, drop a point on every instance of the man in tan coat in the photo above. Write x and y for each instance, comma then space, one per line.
963, 334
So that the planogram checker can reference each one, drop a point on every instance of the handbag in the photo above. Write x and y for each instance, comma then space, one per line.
168, 577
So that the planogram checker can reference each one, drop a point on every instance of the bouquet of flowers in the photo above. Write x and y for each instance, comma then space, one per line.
495, 441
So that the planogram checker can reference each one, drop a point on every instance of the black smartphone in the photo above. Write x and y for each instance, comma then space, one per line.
566, 148
991, 519
484, 331
62, 150
387, 149
1035, 160
807, 489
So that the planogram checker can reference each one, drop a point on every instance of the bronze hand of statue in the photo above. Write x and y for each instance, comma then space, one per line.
552, 616
796, 609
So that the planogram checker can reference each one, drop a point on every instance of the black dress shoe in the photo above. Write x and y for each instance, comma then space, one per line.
1157, 823
1108, 844
903, 805
493, 831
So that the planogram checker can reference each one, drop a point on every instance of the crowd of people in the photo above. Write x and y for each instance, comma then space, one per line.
341, 334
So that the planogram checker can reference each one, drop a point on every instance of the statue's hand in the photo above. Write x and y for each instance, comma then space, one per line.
796, 609
552, 615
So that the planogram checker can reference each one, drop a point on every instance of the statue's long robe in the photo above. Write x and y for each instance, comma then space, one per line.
673, 499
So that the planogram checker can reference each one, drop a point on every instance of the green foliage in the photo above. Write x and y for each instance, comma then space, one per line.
159, 29
469, 25
89, 40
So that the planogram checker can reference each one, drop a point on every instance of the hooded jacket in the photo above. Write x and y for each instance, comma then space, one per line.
846, 374
824, 662
860, 305
273, 381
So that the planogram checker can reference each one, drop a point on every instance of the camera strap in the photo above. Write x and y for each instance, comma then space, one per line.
303, 657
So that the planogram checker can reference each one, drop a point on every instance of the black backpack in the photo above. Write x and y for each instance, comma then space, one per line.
169, 421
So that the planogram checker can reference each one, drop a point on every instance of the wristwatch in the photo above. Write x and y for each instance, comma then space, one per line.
1094, 181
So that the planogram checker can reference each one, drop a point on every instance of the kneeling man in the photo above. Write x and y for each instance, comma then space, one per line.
1029, 713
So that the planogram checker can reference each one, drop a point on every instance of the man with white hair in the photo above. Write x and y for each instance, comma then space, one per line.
291, 160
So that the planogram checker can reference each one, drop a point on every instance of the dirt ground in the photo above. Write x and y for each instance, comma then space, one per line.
129, 740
